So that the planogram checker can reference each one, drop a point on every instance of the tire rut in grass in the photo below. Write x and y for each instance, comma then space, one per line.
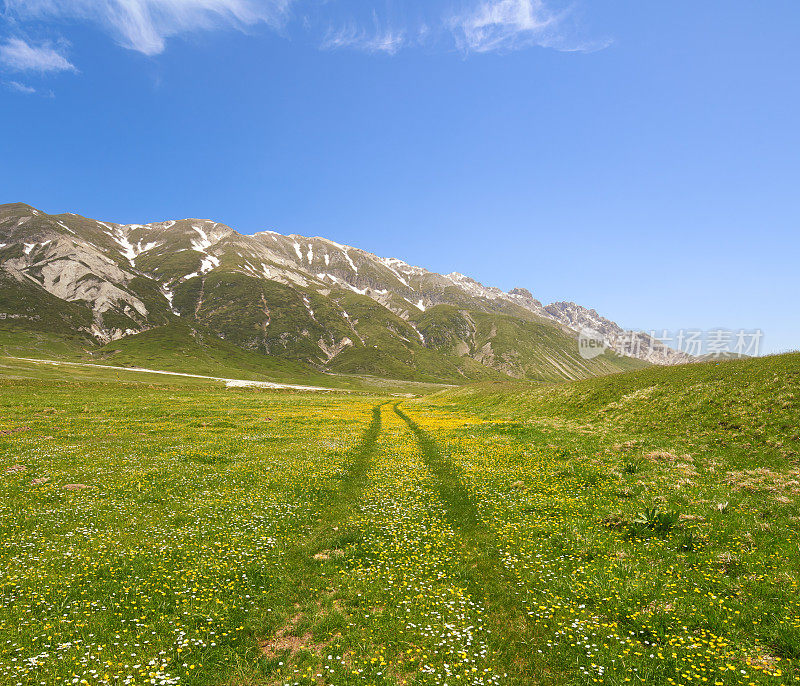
484, 575
354, 479
308, 583
458, 502
338, 502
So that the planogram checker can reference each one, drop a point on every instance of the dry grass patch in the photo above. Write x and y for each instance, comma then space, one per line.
285, 640
764, 479
17, 429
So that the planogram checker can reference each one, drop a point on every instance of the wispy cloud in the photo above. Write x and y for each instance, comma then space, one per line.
476, 26
144, 25
365, 39
504, 25
25, 89
20, 87
17, 54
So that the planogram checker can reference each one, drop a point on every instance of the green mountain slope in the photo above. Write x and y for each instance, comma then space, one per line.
527, 346
180, 348
307, 301
746, 405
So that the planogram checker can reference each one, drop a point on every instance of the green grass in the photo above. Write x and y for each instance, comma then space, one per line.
175, 348
635, 528
743, 407
650, 517
180, 348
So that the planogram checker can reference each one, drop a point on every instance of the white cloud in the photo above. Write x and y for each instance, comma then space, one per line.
18, 55
478, 26
144, 25
20, 87
354, 38
502, 25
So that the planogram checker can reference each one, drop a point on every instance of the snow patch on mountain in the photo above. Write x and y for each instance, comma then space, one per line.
204, 243
170, 296
335, 244
345, 284
394, 265
307, 303
128, 251
209, 262
350, 260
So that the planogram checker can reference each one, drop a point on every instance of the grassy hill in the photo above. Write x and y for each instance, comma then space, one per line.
176, 348
650, 517
181, 348
749, 404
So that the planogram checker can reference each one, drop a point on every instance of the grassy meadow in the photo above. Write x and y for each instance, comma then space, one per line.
639, 528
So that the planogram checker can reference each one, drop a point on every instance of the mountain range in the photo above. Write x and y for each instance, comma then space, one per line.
104, 287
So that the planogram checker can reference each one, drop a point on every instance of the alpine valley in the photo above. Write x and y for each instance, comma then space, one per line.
196, 295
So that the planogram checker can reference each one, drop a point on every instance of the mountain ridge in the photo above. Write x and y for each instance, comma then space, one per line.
308, 299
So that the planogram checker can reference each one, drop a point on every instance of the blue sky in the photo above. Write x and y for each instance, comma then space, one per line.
639, 158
